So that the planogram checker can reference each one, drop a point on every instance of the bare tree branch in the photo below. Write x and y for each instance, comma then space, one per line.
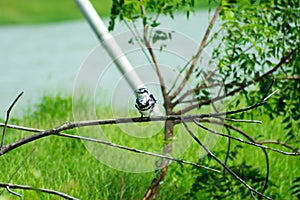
204, 85
221, 163
228, 126
241, 140
12, 192
239, 120
7, 117
178, 76
154, 187
56, 131
228, 149
175, 118
134, 150
275, 142
26, 187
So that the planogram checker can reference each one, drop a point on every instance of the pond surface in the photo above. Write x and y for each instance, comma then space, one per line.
45, 59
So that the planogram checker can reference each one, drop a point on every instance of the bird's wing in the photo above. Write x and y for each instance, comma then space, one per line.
152, 97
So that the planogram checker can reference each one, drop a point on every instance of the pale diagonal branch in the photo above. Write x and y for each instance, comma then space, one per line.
135, 150
57, 132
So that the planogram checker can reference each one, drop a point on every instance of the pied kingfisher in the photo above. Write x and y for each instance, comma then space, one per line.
145, 101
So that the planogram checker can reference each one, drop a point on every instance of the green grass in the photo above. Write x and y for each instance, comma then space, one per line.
67, 165
45, 11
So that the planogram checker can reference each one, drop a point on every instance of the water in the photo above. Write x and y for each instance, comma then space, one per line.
45, 59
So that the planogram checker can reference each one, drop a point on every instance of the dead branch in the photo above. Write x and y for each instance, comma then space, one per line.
135, 150
275, 142
221, 163
26, 187
239, 120
178, 76
7, 117
204, 85
176, 118
12, 192
153, 189
241, 140
57, 132
228, 127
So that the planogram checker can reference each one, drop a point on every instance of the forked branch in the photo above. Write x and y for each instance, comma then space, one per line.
197, 56
221, 163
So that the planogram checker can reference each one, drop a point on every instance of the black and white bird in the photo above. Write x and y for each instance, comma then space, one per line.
145, 101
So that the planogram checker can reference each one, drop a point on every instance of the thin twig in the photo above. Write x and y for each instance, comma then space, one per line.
14, 193
7, 117
269, 88
48, 191
228, 149
275, 142
221, 163
228, 126
178, 76
57, 131
197, 89
135, 150
243, 141
239, 120
18, 168
137, 38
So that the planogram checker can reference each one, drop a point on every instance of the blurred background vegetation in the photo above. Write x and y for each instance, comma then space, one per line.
45, 11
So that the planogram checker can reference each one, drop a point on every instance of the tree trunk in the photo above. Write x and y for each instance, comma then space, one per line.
154, 188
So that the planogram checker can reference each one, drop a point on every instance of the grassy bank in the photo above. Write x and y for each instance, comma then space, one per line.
44, 11
67, 165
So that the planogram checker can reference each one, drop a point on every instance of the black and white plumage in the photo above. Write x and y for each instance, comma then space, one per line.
145, 102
